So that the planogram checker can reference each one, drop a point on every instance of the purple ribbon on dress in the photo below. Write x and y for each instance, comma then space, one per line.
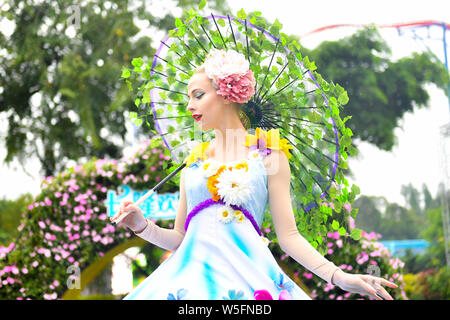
209, 202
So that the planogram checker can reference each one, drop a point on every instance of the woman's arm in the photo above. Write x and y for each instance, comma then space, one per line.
296, 246
289, 238
169, 239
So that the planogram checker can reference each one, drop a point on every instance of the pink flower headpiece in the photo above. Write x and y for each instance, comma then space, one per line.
232, 74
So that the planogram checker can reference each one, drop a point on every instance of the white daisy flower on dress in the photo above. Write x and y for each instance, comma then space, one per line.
265, 240
225, 214
210, 167
234, 186
254, 154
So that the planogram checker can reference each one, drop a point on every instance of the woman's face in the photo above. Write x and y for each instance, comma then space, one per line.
205, 102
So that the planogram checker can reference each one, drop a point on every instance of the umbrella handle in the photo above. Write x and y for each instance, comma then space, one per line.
148, 194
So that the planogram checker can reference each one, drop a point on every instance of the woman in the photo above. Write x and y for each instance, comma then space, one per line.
218, 249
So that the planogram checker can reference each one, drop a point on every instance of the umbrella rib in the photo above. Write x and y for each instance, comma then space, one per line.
171, 64
174, 117
264, 106
300, 119
306, 170
178, 53
268, 69
283, 88
164, 102
259, 62
165, 75
307, 146
306, 190
220, 33
246, 39
198, 41
189, 48
300, 139
177, 130
201, 25
171, 90
260, 99
232, 32
329, 141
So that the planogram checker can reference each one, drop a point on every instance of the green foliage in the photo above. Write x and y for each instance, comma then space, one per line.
188, 48
378, 91
431, 284
10, 216
356, 252
66, 224
74, 70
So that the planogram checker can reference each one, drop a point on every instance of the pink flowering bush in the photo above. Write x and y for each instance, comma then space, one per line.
67, 225
364, 256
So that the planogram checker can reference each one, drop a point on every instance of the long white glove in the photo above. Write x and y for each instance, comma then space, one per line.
168, 239
289, 238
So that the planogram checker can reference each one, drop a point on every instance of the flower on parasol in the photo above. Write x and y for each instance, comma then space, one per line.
266, 141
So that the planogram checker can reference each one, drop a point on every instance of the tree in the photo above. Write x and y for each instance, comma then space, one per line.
380, 91
72, 70
10, 215
369, 215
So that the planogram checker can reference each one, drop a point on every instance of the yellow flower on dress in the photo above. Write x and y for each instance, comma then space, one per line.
225, 214
269, 140
198, 153
239, 216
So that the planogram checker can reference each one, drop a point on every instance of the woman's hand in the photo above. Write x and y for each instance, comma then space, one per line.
135, 219
366, 285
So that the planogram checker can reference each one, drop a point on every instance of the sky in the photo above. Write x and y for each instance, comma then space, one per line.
414, 159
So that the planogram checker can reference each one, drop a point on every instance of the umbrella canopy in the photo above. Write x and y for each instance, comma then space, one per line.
291, 99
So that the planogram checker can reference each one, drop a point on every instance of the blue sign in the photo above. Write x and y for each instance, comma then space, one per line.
157, 206
398, 247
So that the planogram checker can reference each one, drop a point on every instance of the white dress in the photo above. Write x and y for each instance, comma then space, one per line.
221, 257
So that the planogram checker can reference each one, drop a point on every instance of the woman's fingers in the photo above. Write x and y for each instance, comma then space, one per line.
381, 291
369, 290
388, 283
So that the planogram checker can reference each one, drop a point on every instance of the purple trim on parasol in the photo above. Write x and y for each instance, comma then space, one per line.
209, 202
288, 51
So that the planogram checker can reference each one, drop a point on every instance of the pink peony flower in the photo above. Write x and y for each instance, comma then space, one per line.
237, 88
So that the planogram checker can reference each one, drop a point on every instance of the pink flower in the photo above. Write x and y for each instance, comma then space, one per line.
237, 88
52, 296
41, 224
265, 295
48, 201
348, 207
362, 257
